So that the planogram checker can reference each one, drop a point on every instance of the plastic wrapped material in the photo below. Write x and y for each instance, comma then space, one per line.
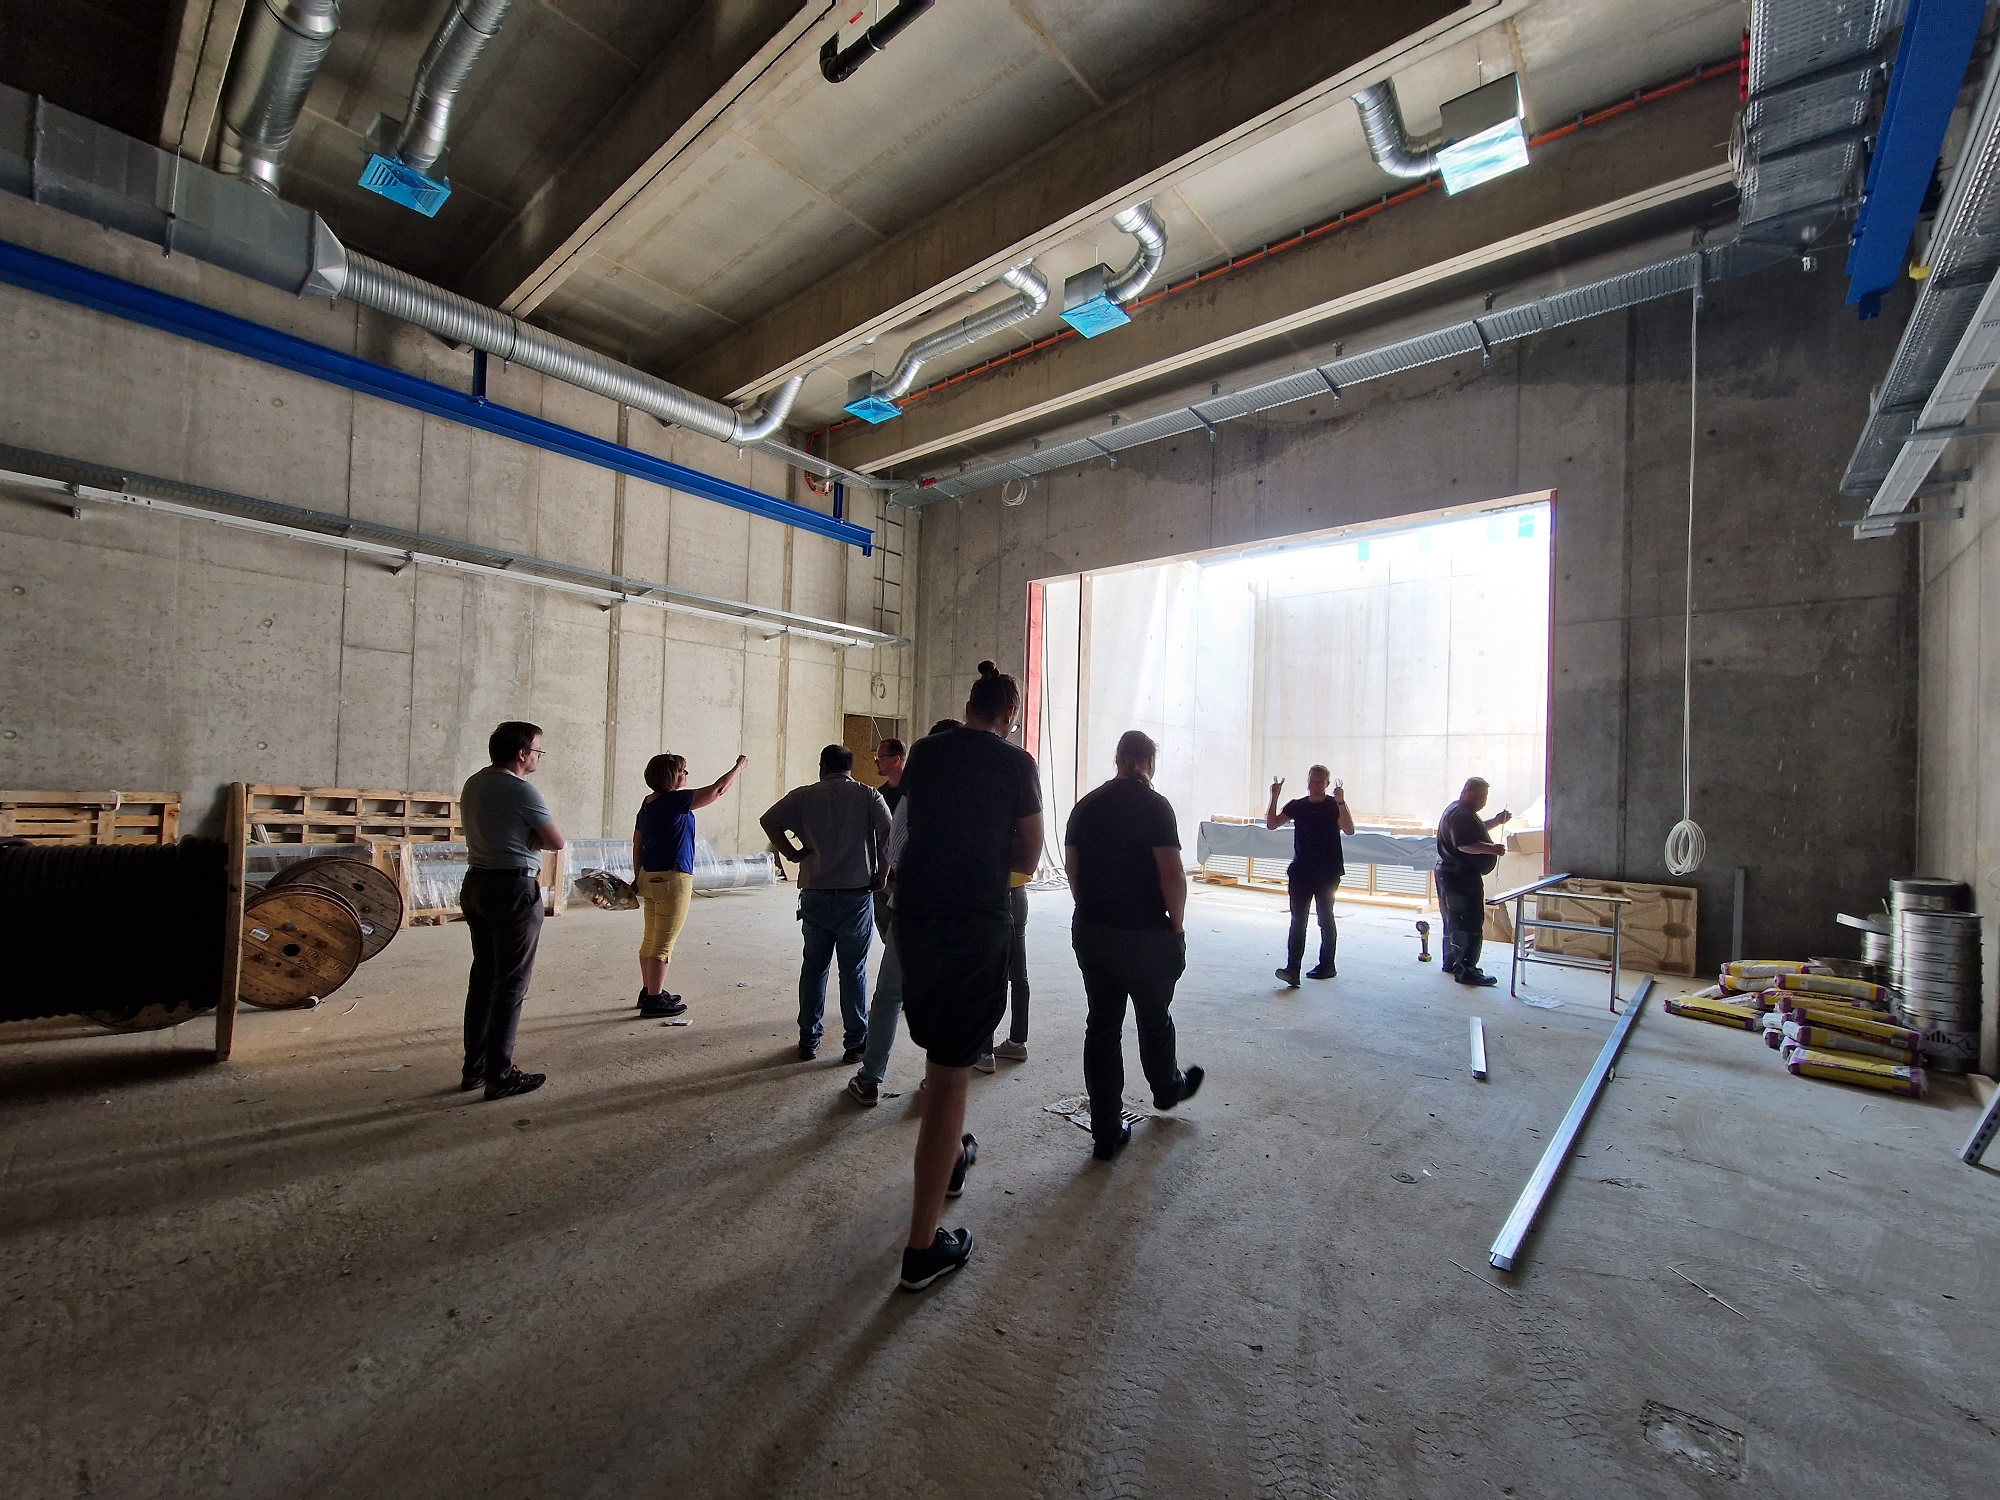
1847, 1067
263, 863
1718, 1012
437, 873
711, 872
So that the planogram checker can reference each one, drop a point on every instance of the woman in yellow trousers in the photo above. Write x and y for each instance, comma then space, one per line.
663, 870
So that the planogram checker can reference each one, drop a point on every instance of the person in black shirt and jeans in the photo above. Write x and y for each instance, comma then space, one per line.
1465, 854
1122, 852
972, 811
1318, 820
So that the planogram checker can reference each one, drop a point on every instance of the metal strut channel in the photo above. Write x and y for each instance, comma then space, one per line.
69, 282
1506, 1251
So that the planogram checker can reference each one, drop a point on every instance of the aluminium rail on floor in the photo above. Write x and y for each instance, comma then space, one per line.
1525, 927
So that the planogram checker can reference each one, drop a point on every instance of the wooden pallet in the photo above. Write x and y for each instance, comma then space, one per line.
342, 815
91, 817
1656, 932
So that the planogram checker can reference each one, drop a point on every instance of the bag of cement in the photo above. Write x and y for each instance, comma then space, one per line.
1826, 1039
1835, 988
1717, 1012
1746, 974
1846, 1067
1866, 1025
607, 890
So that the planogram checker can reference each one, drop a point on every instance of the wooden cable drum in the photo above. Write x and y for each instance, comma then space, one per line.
300, 944
127, 935
371, 893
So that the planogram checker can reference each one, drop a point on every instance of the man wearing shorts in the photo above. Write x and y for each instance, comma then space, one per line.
973, 804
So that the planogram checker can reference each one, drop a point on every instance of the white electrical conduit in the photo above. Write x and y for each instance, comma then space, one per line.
1687, 845
775, 623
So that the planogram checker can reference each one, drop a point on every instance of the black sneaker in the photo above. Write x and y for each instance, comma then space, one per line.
1469, 975
1290, 977
1104, 1150
968, 1153
469, 1080
513, 1082
808, 1051
654, 1007
861, 1091
852, 1054
950, 1250
1324, 971
1190, 1085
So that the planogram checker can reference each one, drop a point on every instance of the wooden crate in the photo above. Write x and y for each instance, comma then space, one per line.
1656, 935
91, 817
344, 815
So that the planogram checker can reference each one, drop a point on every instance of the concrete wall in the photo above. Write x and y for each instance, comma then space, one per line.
157, 654
1958, 823
1805, 643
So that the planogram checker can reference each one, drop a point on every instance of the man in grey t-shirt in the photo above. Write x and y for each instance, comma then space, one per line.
840, 826
507, 825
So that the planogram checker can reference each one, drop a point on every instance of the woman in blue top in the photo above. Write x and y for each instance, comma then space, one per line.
663, 870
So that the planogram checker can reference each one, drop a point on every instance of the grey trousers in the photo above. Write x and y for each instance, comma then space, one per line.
503, 912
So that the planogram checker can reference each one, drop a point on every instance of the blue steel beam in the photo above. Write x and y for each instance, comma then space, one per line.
1931, 60
53, 277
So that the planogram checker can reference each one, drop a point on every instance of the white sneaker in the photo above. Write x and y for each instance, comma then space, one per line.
1012, 1051
986, 1063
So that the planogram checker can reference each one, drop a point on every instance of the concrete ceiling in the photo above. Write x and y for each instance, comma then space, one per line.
672, 181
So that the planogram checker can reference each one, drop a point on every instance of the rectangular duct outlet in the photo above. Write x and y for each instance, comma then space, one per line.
1087, 307
866, 401
405, 185
1485, 135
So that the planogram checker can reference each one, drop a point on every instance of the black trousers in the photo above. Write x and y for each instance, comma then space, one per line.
1314, 893
1119, 965
1462, 903
1017, 970
503, 912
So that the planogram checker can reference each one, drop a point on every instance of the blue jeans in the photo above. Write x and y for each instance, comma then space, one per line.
835, 922
886, 1011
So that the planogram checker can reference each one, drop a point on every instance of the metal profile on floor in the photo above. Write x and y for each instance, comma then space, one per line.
1506, 1252
1478, 1049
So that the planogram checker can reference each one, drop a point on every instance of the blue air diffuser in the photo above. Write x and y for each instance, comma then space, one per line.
390, 179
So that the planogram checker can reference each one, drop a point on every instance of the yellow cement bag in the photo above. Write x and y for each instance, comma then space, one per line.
1747, 974
1719, 1012
1836, 988
1847, 1067
1854, 1022
1826, 1039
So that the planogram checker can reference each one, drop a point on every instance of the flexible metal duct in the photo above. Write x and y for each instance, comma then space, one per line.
1143, 225
463, 34
1388, 142
1031, 295
462, 321
284, 42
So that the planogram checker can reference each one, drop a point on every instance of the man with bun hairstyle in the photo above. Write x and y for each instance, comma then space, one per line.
973, 806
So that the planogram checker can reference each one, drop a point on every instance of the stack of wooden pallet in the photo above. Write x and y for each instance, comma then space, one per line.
91, 817
342, 815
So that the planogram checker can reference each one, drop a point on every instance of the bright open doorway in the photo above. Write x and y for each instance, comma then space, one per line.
1404, 656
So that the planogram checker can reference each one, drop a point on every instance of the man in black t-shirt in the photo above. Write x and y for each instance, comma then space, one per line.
1318, 820
972, 807
1122, 853
1465, 854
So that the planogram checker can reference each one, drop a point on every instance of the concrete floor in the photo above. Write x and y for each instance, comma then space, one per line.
321, 1271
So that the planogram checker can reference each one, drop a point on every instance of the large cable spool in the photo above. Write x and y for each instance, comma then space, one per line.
129, 936
300, 944
373, 894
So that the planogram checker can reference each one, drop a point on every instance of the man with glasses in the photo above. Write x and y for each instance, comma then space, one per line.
507, 825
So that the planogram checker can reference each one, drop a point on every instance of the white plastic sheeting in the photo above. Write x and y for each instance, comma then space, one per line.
1405, 660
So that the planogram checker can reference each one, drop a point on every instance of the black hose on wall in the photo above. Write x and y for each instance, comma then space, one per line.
111, 929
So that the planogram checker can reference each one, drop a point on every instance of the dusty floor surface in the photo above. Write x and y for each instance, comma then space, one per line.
320, 1271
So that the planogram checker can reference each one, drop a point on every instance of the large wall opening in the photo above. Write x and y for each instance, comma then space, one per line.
1405, 656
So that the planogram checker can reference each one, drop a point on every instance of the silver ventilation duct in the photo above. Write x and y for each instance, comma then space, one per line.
1673, 276
284, 42
1143, 225
461, 36
460, 320
1031, 295
1388, 141
54, 156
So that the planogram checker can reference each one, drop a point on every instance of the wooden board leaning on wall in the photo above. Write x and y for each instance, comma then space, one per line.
1656, 934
